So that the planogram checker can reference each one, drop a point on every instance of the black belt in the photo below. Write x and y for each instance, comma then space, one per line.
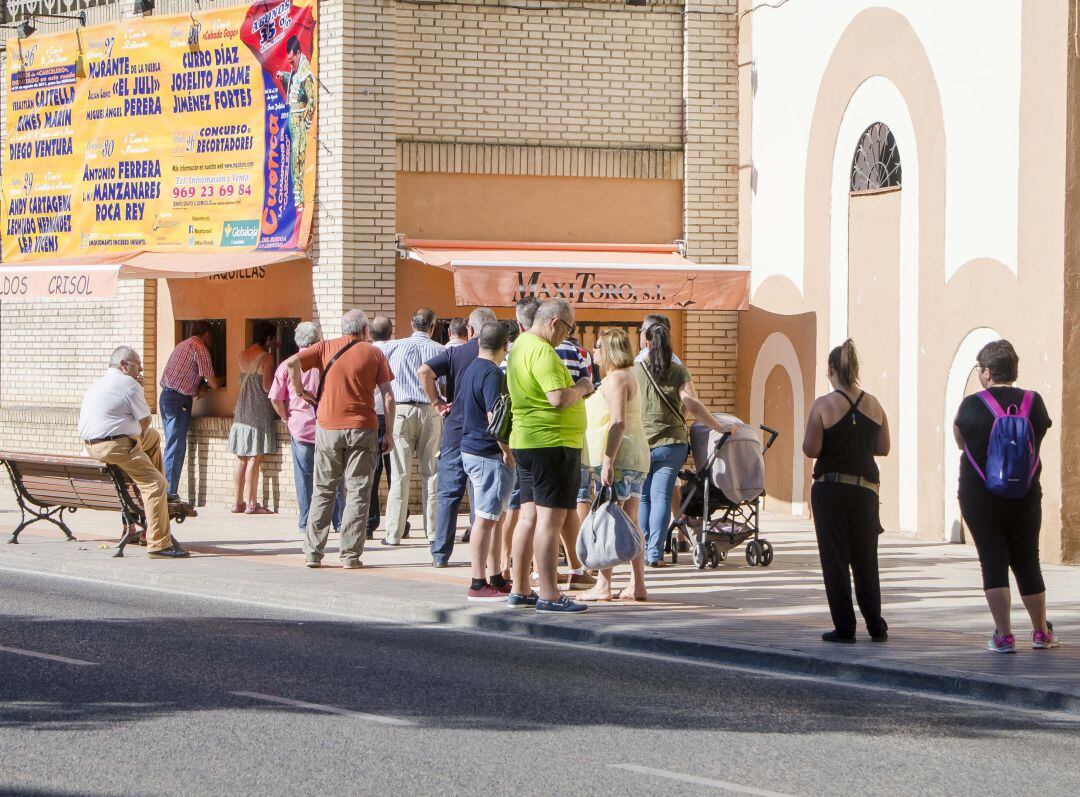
415, 403
108, 439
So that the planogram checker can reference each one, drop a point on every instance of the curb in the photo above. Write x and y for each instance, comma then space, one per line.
790, 661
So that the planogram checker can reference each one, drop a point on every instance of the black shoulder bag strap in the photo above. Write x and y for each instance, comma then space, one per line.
663, 398
329, 365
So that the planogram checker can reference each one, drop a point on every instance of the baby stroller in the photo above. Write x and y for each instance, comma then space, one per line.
730, 478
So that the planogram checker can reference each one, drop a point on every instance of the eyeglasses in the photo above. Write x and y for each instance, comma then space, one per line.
569, 326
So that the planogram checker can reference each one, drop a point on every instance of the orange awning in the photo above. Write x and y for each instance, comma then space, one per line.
96, 277
626, 276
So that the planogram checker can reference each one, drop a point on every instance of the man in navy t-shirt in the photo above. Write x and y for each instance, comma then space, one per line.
487, 462
452, 481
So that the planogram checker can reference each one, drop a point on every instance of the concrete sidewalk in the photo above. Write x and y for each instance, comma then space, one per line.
755, 617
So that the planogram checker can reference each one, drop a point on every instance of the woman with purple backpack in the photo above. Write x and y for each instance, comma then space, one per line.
1000, 431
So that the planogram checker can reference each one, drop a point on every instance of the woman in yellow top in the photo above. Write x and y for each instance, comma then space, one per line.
617, 449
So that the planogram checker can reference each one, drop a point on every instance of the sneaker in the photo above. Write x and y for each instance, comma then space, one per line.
389, 542
1001, 644
486, 594
515, 601
312, 563
506, 589
439, 563
352, 564
563, 604
1041, 641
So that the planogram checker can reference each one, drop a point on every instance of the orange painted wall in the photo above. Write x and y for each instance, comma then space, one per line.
524, 208
780, 415
284, 292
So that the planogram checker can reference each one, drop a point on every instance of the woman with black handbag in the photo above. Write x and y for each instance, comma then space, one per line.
667, 393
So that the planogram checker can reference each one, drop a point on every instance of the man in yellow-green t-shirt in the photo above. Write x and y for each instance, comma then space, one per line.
546, 439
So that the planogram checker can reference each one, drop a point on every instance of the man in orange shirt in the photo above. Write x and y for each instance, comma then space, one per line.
347, 443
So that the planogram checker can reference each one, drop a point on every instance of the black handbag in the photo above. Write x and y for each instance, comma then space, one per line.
501, 419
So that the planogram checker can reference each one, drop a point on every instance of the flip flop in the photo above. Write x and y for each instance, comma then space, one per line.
587, 598
633, 599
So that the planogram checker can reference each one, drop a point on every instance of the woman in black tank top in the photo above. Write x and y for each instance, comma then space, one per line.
846, 430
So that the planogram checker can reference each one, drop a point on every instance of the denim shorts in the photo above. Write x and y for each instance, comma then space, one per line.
585, 486
627, 484
492, 482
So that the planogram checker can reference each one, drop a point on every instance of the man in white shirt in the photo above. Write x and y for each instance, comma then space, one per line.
114, 424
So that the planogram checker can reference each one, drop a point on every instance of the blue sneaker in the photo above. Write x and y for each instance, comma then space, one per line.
515, 601
563, 604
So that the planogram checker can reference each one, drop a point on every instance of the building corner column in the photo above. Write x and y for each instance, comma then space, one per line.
711, 184
353, 244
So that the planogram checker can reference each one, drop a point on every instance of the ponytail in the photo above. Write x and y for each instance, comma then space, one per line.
844, 362
659, 339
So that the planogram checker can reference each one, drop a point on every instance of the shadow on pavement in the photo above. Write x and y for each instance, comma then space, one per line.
157, 667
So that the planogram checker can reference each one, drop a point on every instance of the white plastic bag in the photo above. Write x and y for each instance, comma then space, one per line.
607, 537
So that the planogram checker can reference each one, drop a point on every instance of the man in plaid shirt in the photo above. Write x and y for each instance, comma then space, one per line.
181, 381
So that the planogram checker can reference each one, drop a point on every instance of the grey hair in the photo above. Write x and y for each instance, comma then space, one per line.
122, 354
479, 317
307, 333
354, 322
526, 311
552, 309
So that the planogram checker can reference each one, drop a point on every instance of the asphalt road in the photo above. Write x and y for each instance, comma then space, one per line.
149, 693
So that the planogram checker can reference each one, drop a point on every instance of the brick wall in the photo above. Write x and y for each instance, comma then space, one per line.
595, 73
711, 184
52, 350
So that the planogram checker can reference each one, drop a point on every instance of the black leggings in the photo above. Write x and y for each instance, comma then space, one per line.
1006, 535
847, 523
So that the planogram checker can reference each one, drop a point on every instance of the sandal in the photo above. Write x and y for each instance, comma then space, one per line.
633, 598
237, 508
257, 509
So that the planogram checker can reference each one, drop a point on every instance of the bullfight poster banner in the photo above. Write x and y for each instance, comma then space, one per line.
186, 133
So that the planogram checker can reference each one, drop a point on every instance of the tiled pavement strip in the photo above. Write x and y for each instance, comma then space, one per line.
737, 615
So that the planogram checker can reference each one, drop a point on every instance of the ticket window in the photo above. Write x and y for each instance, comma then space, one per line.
286, 336
218, 343
441, 333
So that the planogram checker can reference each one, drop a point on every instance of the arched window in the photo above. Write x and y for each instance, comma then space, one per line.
877, 160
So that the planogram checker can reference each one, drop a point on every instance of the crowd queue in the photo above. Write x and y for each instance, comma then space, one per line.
368, 404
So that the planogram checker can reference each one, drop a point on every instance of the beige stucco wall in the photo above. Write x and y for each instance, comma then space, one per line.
1022, 300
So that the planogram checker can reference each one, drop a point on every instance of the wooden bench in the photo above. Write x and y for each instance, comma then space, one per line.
46, 486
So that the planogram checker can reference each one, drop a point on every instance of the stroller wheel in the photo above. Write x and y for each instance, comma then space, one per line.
701, 556
674, 551
766, 552
714, 556
722, 555
753, 553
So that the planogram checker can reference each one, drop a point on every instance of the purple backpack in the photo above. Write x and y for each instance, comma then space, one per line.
1011, 460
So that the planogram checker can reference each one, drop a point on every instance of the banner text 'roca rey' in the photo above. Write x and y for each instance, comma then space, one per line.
175, 134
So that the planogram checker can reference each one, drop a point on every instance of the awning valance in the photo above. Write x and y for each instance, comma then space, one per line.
96, 277
615, 276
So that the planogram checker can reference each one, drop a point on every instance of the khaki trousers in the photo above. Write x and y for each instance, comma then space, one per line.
417, 431
348, 454
141, 460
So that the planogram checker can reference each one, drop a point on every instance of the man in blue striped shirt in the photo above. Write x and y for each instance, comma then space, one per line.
417, 427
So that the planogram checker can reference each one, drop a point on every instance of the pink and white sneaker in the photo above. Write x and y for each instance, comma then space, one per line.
1001, 644
1041, 641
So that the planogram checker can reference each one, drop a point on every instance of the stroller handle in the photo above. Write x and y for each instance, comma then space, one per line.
772, 433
